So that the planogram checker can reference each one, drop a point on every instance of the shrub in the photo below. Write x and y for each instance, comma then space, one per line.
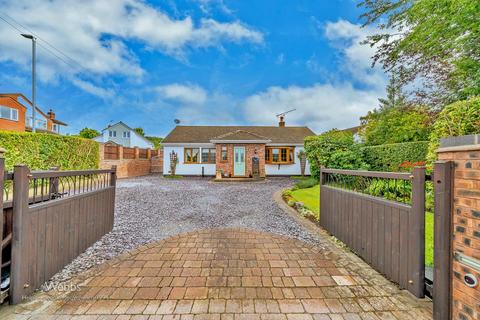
306, 183
457, 119
332, 149
396, 125
395, 156
41, 151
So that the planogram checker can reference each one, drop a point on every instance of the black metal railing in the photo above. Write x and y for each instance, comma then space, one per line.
395, 186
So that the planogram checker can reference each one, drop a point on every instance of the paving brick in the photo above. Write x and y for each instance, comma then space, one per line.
240, 274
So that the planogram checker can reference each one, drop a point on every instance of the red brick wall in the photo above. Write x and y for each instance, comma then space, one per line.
250, 149
127, 168
9, 124
466, 227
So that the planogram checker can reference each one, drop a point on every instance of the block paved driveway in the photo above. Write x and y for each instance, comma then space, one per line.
229, 273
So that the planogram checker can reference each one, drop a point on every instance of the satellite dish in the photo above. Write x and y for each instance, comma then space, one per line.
177, 121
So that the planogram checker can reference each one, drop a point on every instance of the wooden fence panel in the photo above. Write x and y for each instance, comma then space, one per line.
128, 153
111, 152
388, 235
50, 234
143, 153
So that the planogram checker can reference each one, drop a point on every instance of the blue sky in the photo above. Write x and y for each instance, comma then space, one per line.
200, 61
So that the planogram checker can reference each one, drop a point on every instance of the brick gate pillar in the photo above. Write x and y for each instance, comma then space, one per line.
465, 152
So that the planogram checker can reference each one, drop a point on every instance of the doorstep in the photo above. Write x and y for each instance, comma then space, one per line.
238, 179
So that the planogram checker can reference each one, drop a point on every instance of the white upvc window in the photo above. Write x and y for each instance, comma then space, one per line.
126, 134
55, 127
112, 133
8, 113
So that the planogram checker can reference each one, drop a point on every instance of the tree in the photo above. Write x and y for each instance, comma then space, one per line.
155, 140
140, 131
88, 133
395, 125
332, 149
395, 96
434, 42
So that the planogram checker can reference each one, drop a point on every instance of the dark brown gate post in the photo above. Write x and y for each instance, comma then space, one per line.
2, 176
20, 207
416, 223
443, 184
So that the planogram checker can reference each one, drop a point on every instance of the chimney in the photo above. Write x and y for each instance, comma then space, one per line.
51, 114
281, 123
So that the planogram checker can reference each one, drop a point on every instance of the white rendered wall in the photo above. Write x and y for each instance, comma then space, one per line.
287, 169
183, 168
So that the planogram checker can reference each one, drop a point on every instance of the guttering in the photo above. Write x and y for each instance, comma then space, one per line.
186, 144
241, 141
284, 144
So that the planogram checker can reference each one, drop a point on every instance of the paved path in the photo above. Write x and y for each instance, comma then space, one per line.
229, 273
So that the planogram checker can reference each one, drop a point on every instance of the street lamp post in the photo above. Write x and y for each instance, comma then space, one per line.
34, 49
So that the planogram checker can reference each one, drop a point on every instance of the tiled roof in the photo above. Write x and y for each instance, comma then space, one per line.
203, 134
240, 135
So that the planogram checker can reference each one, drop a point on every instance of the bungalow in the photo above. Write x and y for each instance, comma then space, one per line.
232, 150
13, 115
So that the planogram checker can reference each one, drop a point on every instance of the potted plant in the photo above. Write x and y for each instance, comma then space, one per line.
173, 163
302, 155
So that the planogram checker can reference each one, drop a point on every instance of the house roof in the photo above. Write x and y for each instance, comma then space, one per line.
204, 134
126, 126
16, 95
240, 135
353, 130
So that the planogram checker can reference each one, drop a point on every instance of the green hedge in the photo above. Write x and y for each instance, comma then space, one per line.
457, 119
388, 157
40, 151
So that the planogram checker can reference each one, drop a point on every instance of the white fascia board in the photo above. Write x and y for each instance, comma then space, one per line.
186, 144
284, 144
240, 141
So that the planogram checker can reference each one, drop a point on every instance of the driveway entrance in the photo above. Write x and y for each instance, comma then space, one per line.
239, 268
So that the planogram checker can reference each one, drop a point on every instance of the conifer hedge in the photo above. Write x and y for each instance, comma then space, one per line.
41, 151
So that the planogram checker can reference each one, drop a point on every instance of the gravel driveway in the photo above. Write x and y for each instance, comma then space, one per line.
152, 208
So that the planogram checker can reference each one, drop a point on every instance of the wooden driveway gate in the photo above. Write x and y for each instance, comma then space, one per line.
49, 218
380, 216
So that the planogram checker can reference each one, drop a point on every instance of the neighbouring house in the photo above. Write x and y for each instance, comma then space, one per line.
205, 150
123, 135
16, 116
355, 131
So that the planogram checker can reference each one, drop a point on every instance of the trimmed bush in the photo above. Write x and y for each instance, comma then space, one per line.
332, 149
306, 183
41, 151
457, 119
392, 157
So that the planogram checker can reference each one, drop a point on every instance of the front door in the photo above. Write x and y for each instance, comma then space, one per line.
239, 161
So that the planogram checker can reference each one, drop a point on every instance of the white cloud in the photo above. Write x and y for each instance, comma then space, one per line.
356, 57
334, 104
93, 89
95, 33
184, 93
321, 106
208, 5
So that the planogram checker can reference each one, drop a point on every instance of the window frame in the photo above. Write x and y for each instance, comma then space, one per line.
226, 153
288, 151
11, 112
191, 152
211, 155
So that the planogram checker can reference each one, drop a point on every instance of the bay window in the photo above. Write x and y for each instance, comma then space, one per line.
279, 155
